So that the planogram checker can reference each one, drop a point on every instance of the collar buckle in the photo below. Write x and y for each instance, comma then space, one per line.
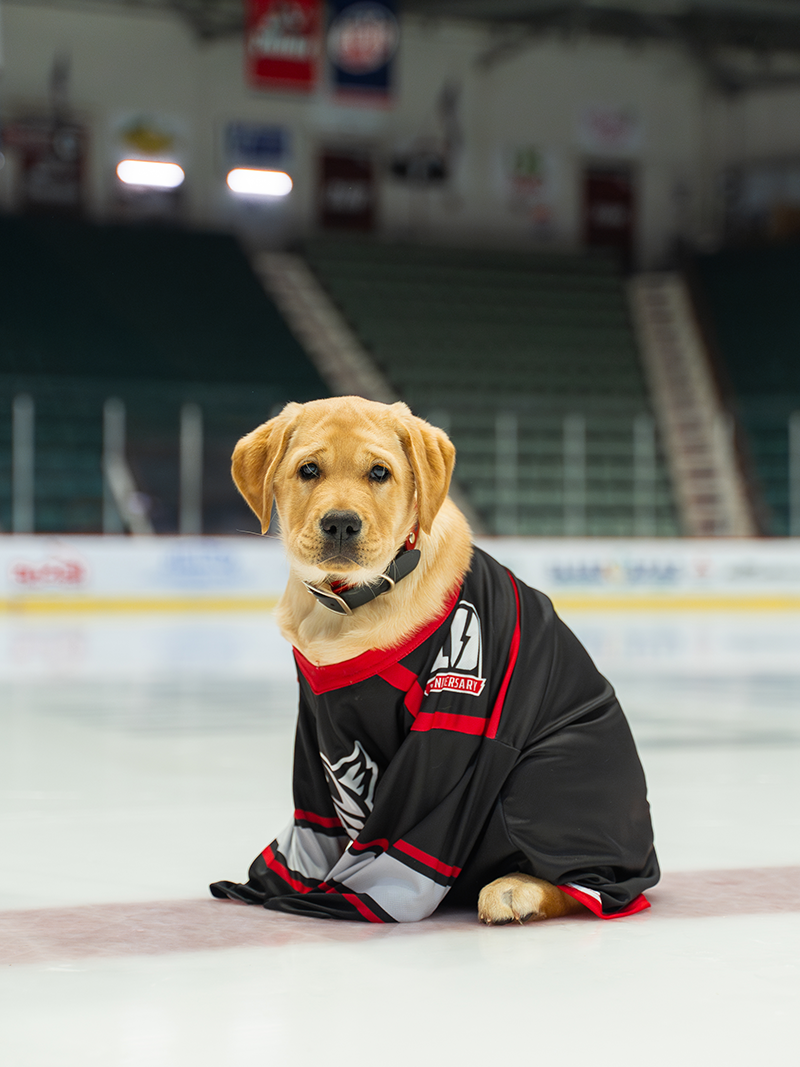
344, 602
329, 599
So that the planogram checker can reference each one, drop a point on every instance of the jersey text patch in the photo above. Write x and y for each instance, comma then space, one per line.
459, 665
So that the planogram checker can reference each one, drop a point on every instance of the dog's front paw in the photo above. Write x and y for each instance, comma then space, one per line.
522, 898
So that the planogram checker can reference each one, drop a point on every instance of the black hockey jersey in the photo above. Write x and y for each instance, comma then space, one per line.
488, 743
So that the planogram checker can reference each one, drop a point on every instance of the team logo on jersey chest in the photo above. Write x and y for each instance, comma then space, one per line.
459, 665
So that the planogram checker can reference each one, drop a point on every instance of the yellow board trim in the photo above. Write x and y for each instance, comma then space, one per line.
35, 605
66, 604
677, 602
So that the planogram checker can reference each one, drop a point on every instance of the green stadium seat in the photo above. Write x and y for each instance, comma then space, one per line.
463, 335
751, 300
156, 317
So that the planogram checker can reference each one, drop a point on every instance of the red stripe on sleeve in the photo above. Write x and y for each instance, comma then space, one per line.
357, 846
640, 903
283, 872
319, 820
427, 859
445, 720
497, 710
359, 904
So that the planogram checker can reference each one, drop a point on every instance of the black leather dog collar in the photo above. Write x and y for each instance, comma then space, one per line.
344, 602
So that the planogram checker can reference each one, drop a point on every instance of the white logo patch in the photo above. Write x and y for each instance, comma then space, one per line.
459, 665
352, 784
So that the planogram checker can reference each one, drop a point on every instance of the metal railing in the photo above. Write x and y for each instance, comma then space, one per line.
794, 474
575, 459
124, 506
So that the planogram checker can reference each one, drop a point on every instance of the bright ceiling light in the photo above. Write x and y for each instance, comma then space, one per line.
259, 182
150, 173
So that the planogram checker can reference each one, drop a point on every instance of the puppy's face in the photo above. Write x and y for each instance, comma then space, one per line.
350, 479
344, 492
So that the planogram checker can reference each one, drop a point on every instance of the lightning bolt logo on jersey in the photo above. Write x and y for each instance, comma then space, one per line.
352, 784
459, 665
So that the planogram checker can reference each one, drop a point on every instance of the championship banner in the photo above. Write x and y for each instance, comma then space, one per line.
282, 43
362, 39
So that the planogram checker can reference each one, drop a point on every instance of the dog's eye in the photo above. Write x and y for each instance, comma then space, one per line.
379, 473
309, 471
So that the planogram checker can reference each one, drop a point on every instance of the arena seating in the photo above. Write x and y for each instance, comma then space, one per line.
472, 337
751, 298
155, 317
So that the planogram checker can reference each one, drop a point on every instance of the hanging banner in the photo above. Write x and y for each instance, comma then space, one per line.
362, 39
254, 144
347, 190
609, 131
283, 43
531, 177
52, 165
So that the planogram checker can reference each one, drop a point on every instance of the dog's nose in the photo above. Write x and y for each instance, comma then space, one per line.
340, 526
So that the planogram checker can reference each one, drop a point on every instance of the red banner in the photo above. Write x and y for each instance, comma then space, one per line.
283, 43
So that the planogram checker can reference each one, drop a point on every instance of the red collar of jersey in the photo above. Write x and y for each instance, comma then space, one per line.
331, 676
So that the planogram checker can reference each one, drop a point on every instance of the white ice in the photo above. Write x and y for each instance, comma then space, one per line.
143, 756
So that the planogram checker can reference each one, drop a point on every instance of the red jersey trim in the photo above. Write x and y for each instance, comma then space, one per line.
283, 872
318, 820
413, 701
447, 720
379, 843
494, 720
399, 677
640, 903
427, 859
332, 676
359, 905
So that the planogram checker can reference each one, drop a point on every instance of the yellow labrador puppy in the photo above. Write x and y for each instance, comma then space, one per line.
454, 740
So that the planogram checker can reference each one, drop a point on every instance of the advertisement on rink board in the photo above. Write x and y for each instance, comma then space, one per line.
93, 572
153, 572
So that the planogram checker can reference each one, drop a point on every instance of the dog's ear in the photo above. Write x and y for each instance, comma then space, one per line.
255, 461
432, 457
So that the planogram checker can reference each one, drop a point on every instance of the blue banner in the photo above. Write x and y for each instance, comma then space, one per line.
251, 144
362, 39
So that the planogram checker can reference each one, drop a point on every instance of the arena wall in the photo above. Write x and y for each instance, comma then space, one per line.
128, 62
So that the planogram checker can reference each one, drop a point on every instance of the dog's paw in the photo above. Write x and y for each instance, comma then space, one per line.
522, 898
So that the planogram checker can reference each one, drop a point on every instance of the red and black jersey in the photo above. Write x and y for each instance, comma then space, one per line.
487, 743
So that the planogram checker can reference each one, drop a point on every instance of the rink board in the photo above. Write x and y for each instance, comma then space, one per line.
80, 573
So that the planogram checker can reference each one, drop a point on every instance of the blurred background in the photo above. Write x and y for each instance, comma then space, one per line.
567, 233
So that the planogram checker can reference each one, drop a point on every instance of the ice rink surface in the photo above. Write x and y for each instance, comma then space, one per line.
143, 756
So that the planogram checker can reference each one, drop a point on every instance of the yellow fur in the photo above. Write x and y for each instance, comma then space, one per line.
522, 898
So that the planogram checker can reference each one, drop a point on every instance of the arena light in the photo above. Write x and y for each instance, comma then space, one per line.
150, 173
259, 182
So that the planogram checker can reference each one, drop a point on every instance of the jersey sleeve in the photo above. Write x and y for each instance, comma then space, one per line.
310, 845
430, 808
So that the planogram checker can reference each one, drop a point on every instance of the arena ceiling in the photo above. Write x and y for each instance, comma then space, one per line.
742, 44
